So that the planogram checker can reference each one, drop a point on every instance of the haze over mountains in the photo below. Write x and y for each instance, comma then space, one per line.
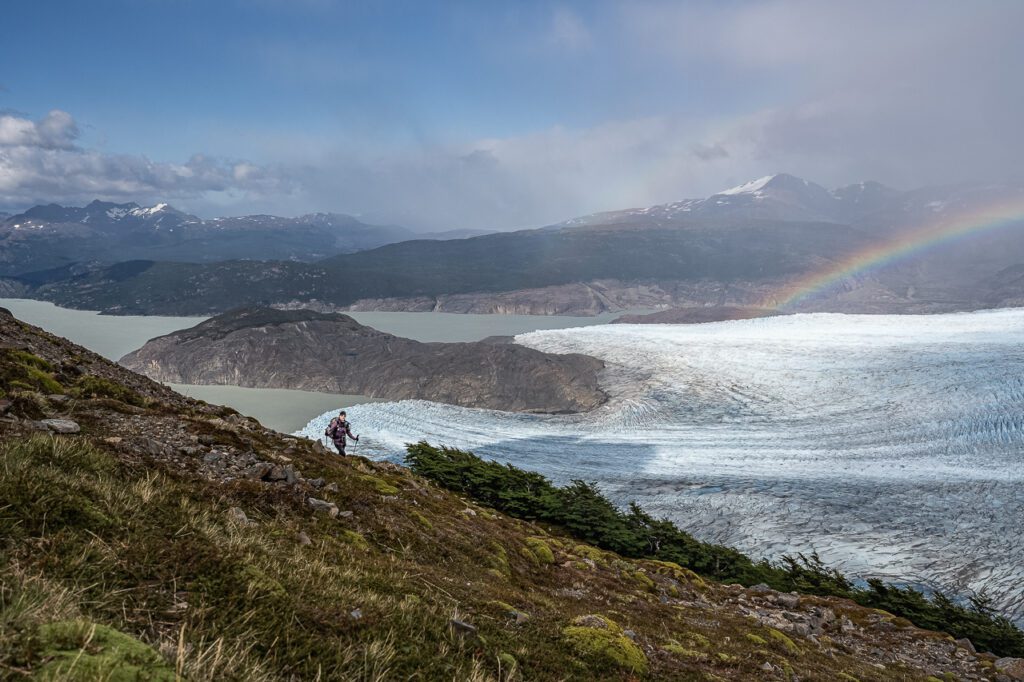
739, 247
52, 236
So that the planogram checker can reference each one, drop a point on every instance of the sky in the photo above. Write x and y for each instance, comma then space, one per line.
491, 115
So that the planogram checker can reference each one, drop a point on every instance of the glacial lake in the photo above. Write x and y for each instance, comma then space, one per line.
113, 336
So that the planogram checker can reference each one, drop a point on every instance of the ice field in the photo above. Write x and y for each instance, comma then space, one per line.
892, 445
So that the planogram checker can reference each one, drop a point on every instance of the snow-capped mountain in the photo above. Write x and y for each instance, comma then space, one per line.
52, 236
867, 205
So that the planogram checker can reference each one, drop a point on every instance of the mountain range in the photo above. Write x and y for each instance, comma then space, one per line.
739, 247
53, 236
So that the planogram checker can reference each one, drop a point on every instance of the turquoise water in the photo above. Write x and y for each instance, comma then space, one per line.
113, 336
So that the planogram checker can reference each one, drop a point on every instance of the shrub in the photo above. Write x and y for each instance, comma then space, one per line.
585, 513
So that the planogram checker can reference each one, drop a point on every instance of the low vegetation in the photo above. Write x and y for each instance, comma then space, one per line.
143, 546
582, 511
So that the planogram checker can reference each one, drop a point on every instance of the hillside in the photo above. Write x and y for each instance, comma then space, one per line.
729, 262
150, 536
332, 353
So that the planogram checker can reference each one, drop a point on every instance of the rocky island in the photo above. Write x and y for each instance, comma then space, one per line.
302, 349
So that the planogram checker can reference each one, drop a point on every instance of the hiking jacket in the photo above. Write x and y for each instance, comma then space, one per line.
338, 429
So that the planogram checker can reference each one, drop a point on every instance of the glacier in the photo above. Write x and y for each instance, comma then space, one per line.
892, 445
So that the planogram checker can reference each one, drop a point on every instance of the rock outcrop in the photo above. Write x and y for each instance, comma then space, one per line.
265, 348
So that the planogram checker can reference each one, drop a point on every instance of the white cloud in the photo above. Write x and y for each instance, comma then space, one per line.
56, 130
40, 162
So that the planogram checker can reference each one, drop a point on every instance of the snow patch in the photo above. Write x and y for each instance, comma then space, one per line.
751, 187
151, 211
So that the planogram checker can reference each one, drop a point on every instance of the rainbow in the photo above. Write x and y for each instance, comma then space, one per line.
931, 235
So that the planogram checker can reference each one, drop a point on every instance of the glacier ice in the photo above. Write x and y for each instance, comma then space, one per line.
892, 445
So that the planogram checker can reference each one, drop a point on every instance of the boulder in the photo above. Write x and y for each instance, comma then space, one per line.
157, 449
238, 517
62, 425
965, 643
324, 506
790, 601
258, 471
1011, 667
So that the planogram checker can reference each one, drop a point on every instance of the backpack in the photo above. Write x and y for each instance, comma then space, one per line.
332, 429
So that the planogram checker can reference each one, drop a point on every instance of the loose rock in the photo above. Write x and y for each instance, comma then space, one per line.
324, 506
462, 628
62, 425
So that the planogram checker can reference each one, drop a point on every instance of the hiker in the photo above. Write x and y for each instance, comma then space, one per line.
337, 431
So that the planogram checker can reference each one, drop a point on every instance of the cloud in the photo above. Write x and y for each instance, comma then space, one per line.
602, 105
56, 130
910, 93
710, 152
40, 162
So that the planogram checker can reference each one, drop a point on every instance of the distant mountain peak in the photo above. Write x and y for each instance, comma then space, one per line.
752, 187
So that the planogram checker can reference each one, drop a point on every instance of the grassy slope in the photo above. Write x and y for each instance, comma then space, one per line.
106, 549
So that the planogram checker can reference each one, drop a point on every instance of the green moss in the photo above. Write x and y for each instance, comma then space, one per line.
261, 584
82, 651
682, 652
644, 581
784, 641
507, 662
588, 552
724, 657
380, 485
90, 386
353, 538
609, 646
423, 520
755, 639
697, 640
502, 607
540, 550
499, 561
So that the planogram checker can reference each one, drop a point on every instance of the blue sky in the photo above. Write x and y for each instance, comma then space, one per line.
487, 114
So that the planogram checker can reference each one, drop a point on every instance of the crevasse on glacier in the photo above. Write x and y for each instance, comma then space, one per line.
890, 444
